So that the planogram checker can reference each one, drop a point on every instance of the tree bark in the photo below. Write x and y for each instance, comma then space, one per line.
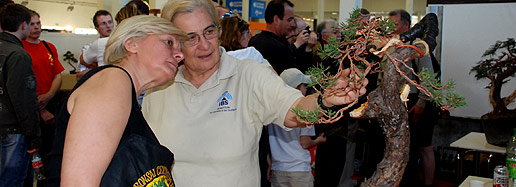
386, 106
495, 92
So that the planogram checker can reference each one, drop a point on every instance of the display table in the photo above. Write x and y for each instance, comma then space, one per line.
474, 143
488, 181
477, 141
68, 81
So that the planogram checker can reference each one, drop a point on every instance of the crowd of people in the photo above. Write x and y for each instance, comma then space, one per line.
188, 99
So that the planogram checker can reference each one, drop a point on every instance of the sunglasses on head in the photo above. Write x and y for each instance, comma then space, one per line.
228, 14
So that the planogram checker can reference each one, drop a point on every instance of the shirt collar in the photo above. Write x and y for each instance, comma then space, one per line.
11, 38
227, 68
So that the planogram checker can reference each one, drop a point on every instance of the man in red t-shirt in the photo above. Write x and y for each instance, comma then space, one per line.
47, 69
45, 63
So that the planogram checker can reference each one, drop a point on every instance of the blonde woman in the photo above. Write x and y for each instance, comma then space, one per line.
102, 137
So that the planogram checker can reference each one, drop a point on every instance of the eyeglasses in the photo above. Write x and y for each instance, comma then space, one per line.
209, 33
104, 23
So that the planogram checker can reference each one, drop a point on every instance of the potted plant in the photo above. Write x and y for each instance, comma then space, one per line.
498, 65
69, 58
364, 43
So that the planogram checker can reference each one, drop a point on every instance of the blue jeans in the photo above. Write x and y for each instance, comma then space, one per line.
14, 159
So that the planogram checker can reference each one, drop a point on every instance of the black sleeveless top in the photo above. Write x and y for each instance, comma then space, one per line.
139, 159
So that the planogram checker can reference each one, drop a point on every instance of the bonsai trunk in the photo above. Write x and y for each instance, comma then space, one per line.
386, 106
495, 97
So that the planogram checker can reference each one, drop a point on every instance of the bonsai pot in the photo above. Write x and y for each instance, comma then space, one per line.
498, 130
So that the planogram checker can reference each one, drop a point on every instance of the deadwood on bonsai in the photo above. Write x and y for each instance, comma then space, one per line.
384, 104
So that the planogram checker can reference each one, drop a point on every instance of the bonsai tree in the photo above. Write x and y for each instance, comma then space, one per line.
498, 65
360, 39
69, 58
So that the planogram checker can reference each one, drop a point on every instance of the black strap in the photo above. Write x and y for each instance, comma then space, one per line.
48, 48
436, 66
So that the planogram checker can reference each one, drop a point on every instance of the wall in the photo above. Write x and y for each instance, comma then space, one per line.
56, 14
68, 42
467, 31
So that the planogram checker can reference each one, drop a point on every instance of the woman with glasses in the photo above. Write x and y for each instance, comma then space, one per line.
214, 112
102, 138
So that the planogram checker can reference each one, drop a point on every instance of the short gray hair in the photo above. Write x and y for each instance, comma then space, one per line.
322, 26
174, 8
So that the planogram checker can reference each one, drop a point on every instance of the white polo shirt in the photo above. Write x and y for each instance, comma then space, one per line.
249, 53
214, 131
95, 53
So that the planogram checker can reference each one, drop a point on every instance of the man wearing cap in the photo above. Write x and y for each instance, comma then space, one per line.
289, 149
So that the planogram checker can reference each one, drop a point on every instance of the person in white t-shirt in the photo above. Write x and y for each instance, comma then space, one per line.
93, 53
289, 149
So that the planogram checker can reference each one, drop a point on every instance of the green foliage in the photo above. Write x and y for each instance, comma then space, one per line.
387, 26
499, 60
509, 44
312, 116
68, 56
160, 183
441, 97
358, 35
309, 116
349, 30
330, 50
318, 76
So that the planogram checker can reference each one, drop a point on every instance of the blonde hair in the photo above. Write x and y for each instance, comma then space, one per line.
174, 8
126, 12
136, 27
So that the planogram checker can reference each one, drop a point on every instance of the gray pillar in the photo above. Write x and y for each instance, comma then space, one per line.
409, 7
245, 10
320, 10
346, 7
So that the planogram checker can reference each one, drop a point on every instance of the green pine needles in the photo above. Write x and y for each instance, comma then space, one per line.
360, 36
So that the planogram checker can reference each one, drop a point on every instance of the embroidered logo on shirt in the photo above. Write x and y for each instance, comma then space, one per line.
224, 99
159, 176
224, 104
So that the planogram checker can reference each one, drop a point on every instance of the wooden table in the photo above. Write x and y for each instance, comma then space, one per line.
67, 81
488, 181
474, 143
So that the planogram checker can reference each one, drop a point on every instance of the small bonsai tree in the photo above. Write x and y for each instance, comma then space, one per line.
69, 58
498, 65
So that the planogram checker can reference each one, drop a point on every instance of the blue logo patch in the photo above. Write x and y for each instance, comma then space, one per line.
224, 99
224, 104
